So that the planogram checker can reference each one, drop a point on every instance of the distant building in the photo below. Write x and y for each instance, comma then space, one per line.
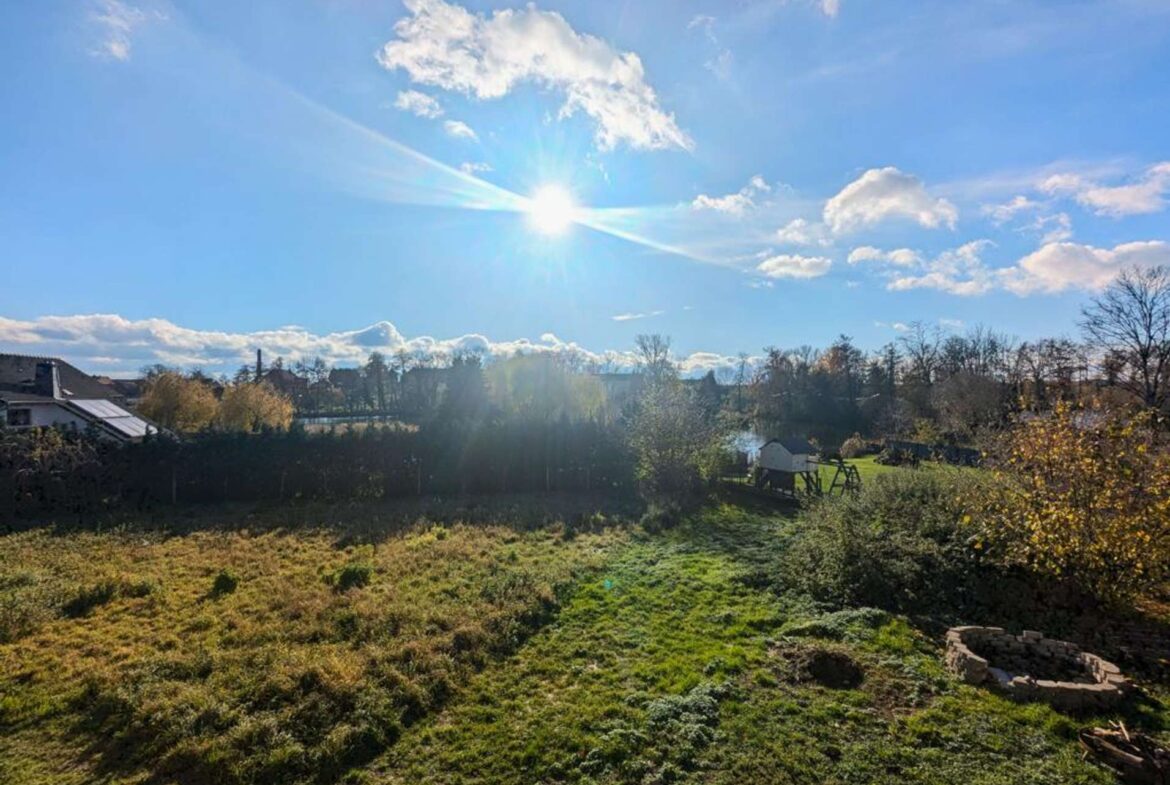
287, 382
44, 392
122, 391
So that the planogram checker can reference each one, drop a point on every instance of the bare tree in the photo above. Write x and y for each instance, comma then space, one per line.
1130, 322
920, 344
653, 353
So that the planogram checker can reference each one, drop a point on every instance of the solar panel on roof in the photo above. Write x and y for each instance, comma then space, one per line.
115, 417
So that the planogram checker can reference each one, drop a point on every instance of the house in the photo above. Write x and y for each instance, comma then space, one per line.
287, 382
44, 392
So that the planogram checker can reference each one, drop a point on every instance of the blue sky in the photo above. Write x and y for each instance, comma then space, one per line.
185, 182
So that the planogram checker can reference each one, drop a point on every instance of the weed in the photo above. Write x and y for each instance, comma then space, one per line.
352, 576
225, 583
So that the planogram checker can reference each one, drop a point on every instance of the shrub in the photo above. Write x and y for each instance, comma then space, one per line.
854, 447
660, 516
225, 582
1084, 497
352, 576
892, 456
900, 545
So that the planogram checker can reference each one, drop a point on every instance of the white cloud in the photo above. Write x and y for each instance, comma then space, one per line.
1049, 226
459, 129
881, 194
418, 103
900, 327
900, 257
830, 7
794, 266
799, 231
1002, 213
111, 344
445, 45
704, 22
475, 167
117, 22
721, 64
1057, 267
959, 271
736, 203
952, 324
1146, 194
629, 317
1055, 228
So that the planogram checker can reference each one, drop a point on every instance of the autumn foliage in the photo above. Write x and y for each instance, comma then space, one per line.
1084, 496
189, 404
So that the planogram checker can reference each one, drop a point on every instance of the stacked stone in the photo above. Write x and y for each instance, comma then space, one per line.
992, 657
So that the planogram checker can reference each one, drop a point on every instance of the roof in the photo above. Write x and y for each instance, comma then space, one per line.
18, 371
99, 411
795, 445
113, 417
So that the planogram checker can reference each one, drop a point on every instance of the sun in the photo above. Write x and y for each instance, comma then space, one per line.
551, 210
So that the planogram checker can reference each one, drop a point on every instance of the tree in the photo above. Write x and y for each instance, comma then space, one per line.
543, 388
177, 402
465, 398
653, 353
675, 440
968, 402
376, 371
254, 407
1130, 321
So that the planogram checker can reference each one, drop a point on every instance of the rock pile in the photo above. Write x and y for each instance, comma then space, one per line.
1031, 667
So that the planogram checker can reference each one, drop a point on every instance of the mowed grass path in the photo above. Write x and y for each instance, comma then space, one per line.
679, 663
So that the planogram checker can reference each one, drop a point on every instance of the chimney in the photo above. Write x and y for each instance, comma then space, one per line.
47, 381
259, 366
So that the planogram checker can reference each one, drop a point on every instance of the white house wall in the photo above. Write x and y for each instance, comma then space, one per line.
45, 416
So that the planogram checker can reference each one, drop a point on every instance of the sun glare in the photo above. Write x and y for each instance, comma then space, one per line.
551, 210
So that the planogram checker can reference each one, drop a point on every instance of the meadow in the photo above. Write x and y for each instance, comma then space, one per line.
294, 646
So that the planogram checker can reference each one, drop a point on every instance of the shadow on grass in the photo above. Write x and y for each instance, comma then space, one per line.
357, 522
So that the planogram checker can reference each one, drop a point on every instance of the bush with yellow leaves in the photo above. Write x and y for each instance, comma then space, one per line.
1085, 497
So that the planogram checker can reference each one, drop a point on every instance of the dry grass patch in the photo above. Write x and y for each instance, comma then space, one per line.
254, 657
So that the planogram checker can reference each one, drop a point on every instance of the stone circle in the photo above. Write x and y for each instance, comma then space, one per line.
1034, 668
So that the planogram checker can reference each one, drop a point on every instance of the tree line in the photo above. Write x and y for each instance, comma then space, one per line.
545, 422
936, 387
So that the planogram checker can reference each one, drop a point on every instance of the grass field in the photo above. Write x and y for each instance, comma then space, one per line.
480, 654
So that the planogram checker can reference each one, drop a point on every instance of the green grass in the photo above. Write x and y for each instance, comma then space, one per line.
868, 468
480, 654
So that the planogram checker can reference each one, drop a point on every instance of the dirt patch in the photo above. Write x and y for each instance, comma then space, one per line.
834, 669
824, 665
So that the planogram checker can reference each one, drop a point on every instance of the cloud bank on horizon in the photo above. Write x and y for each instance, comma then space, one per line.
113, 345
